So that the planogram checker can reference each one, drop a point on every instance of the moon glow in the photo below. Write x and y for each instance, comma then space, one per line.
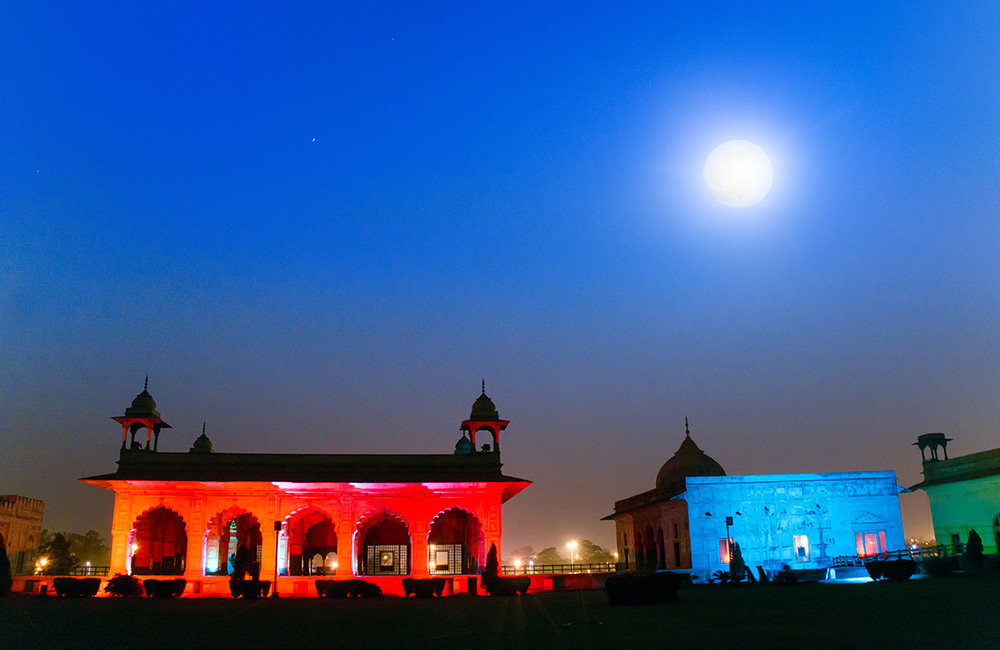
738, 173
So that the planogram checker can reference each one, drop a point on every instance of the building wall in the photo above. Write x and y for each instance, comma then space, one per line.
824, 513
957, 508
667, 524
347, 506
21, 527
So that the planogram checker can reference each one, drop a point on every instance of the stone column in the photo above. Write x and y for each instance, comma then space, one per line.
418, 549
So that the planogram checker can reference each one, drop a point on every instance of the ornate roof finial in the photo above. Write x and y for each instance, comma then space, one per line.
145, 386
687, 431
202, 428
484, 385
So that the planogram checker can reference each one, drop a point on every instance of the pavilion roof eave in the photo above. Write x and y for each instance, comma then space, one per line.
513, 488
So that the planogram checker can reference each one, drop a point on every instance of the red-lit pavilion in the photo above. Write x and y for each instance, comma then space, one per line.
338, 515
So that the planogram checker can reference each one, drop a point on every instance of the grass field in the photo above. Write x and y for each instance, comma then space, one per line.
954, 612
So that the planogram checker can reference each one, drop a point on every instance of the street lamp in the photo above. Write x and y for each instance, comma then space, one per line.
729, 540
572, 556
277, 531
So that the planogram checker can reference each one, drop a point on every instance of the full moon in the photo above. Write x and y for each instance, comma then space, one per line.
738, 173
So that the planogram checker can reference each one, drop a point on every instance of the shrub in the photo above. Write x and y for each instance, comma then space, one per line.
939, 567
424, 588
722, 576
737, 567
501, 586
636, 589
248, 588
347, 589
899, 570
76, 587
896, 570
6, 579
164, 588
124, 586
972, 558
875, 568
786, 576
333, 588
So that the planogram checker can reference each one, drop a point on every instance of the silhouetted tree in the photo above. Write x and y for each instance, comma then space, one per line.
89, 547
524, 553
550, 556
591, 553
973, 555
6, 580
492, 566
737, 567
59, 559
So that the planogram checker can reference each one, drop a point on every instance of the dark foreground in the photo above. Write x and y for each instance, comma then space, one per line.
954, 612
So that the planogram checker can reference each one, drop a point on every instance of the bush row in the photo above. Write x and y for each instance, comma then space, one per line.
638, 589
347, 589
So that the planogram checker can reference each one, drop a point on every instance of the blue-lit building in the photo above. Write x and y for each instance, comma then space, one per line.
800, 520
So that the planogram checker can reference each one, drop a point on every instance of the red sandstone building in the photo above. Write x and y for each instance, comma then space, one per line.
337, 515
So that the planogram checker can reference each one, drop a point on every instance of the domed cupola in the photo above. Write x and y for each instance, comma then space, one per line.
142, 414
143, 406
483, 408
464, 445
202, 445
688, 460
484, 415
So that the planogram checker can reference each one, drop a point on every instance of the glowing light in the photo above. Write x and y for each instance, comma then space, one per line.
517, 564
43, 561
135, 547
738, 174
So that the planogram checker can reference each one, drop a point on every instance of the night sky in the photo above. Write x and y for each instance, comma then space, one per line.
319, 228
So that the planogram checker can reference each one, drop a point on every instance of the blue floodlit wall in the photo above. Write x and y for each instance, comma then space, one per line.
824, 513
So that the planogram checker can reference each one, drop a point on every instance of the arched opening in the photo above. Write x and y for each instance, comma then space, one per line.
661, 552
233, 544
638, 550
649, 550
455, 544
383, 545
157, 543
311, 547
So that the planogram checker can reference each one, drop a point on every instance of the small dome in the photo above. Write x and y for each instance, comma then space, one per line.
202, 445
143, 406
688, 460
484, 410
463, 446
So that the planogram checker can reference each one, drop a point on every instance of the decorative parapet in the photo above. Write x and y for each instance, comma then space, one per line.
21, 507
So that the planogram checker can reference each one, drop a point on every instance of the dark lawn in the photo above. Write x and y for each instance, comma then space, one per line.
955, 612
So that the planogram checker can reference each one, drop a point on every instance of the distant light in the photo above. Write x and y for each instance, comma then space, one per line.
43, 561
517, 563
135, 547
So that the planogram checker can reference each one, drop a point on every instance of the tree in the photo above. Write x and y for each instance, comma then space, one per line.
89, 547
549, 556
59, 560
737, 567
591, 553
6, 580
525, 554
973, 554
492, 567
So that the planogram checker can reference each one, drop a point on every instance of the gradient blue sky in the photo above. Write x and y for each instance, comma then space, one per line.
318, 227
